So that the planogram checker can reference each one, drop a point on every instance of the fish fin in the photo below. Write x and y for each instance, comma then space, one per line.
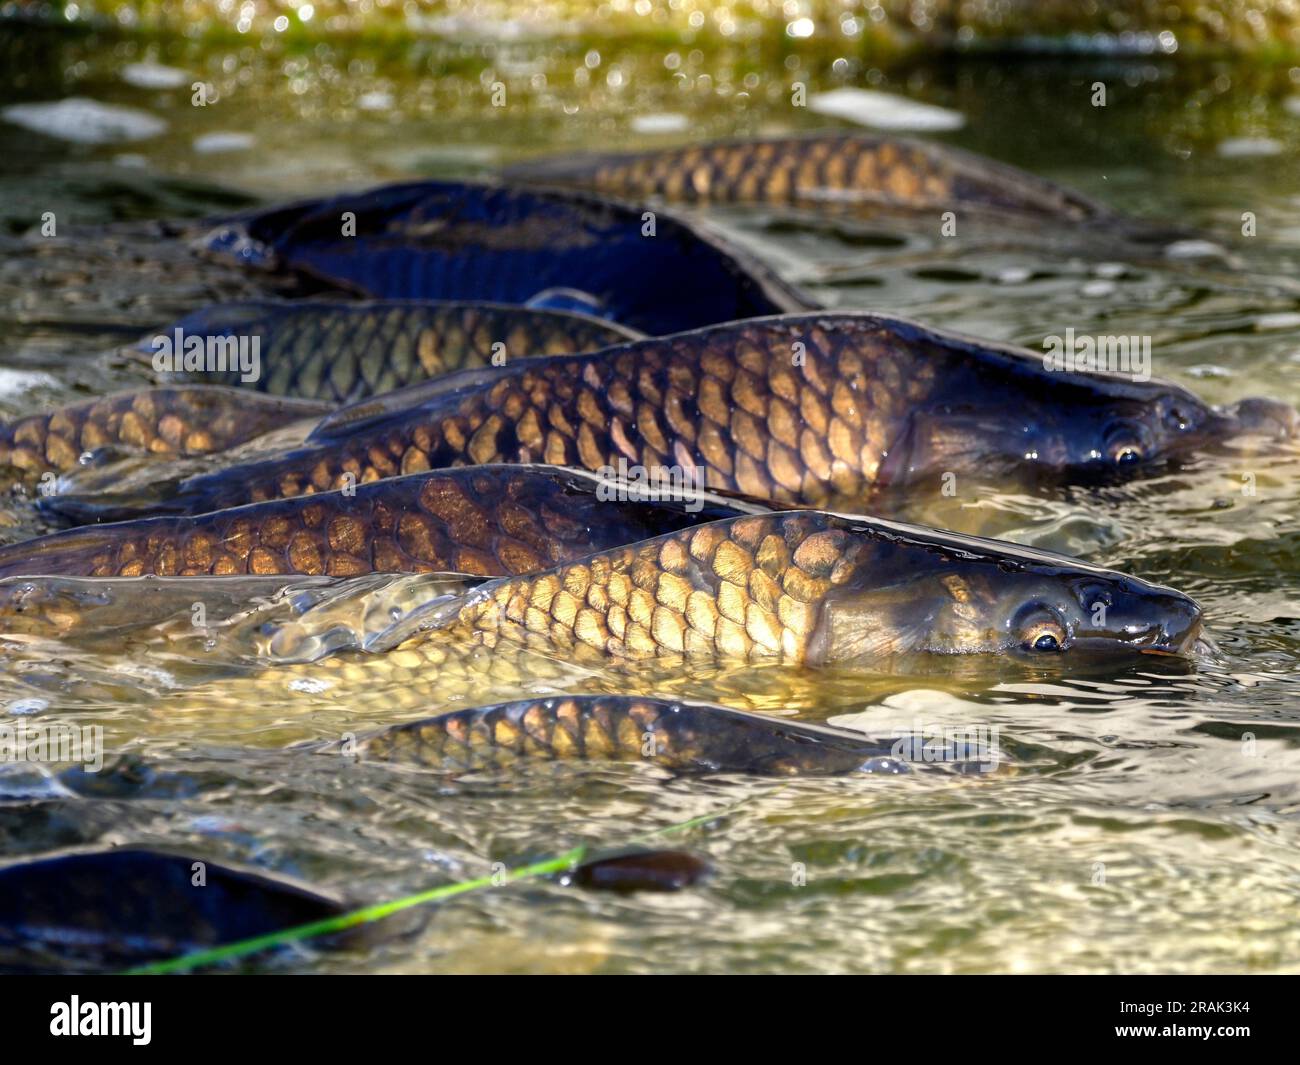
459, 240
568, 299
895, 623
222, 319
931, 444
132, 484
373, 613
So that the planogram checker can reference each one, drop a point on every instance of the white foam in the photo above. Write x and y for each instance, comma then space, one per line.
882, 110
211, 143
377, 100
14, 382
310, 685
1248, 147
660, 123
1209, 369
153, 76
84, 121
1278, 320
1193, 249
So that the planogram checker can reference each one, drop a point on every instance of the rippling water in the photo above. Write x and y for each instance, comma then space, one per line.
1141, 819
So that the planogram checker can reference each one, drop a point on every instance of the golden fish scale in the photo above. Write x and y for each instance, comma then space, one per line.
193, 421
166, 421
474, 525
734, 403
607, 729
21, 614
466, 337
623, 728
781, 171
741, 590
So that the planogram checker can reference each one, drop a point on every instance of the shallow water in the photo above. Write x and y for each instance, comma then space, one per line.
1144, 818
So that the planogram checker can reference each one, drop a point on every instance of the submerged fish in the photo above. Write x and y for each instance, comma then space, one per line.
821, 170
641, 870
451, 240
160, 421
338, 352
427, 241
802, 588
107, 909
822, 409
490, 520
308, 349
682, 736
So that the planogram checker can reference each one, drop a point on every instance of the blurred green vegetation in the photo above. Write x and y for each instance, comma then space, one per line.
876, 28
315, 109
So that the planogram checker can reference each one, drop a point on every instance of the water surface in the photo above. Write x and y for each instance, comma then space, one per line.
1144, 818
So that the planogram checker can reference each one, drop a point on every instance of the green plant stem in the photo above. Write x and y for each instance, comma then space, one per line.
378, 911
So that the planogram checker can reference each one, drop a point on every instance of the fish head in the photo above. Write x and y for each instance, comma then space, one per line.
1161, 423
1011, 417
925, 592
1271, 418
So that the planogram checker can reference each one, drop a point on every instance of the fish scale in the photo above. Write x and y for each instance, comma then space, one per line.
161, 421
490, 521
788, 590
837, 410
681, 736
821, 170
745, 589
795, 410
310, 350
336, 351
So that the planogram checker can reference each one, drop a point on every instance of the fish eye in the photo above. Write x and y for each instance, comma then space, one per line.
1124, 445
1042, 631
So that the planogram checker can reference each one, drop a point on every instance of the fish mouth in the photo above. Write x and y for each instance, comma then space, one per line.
1175, 630
1268, 417
1196, 646
1177, 641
